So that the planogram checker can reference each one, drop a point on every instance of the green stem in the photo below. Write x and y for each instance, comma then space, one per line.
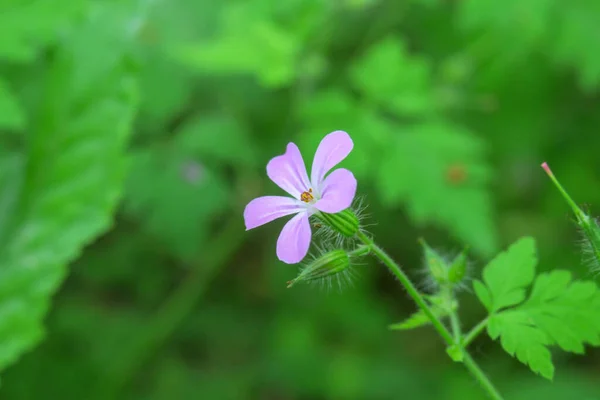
448, 296
361, 251
580, 214
469, 363
454, 321
477, 329
410, 288
478, 374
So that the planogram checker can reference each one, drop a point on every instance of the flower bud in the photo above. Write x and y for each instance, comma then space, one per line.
345, 222
435, 263
327, 265
458, 267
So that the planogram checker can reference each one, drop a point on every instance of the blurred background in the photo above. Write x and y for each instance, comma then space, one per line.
452, 106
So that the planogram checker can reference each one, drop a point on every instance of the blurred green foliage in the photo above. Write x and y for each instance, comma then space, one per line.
452, 107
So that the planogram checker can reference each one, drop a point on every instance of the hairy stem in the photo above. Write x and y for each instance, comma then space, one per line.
473, 333
469, 363
453, 315
481, 377
454, 322
410, 288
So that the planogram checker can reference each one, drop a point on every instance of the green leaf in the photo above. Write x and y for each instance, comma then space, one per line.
507, 276
416, 320
162, 98
419, 318
520, 339
26, 26
525, 21
578, 24
534, 24
71, 184
391, 78
437, 170
558, 312
219, 138
12, 167
11, 114
250, 43
483, 294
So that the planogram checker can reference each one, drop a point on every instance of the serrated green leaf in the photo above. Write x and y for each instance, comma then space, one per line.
568, 311
508, 274
558, 312
71, 184
11, 114
416, 320
394, 80
437, 170
483, 294
419, 318
521, 340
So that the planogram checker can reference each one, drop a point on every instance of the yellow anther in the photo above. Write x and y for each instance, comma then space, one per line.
307, 197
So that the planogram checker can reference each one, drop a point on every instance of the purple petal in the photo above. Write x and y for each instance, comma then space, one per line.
268, 208
332, 150
288, 171
294, 239
338, 191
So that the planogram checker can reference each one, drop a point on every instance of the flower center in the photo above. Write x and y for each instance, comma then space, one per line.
307, 197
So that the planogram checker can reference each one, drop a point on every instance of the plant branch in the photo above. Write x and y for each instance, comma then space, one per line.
473, 333
469, 363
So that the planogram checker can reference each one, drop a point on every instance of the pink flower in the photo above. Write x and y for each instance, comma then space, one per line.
330, 194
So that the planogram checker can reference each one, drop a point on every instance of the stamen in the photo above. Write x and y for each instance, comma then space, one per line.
307, 197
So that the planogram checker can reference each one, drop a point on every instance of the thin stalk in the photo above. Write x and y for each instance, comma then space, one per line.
578, 213
478, 374
469, 363
454, 320
361, 251
473, 333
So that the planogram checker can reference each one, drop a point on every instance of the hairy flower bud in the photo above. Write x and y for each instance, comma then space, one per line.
458, 267
334, 263
444, 272
327, 265
438, 268
345, 222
